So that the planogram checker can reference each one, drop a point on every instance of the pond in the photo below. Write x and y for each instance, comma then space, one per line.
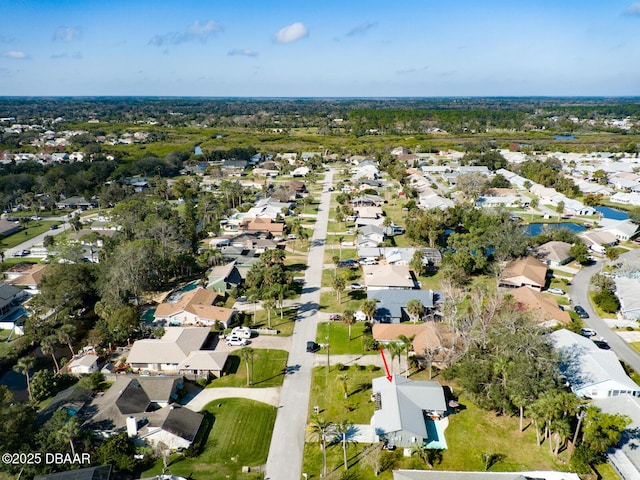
564, 137
534, 229
612, 213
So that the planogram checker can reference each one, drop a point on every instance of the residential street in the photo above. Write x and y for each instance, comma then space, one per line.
579, 295
29, 244
287, 443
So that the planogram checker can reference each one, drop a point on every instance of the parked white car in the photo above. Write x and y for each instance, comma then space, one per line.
235, 341
555, 291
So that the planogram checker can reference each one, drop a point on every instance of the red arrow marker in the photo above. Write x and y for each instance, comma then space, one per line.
386, 367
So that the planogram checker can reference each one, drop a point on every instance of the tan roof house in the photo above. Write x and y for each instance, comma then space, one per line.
381, 277
426, 337
26, 276
180, 350
524, 271
554, 253
195, 307
262, 224
545, 310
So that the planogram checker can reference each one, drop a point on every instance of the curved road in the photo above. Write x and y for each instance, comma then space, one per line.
287, 442
579, 296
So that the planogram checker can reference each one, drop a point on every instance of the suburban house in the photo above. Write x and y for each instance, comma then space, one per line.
76, 202
223, 278
90, 473
391, 304
7, 228
366, 169
370, 236
83, 364
427, 338
367, 200
9, 296
591, 371
384, 277
627, 292
368, 212
28, 276
524, 271
625, 459
544, 310
554, 253
409, 412
268, 208
623, 230
598, 240
143, 407
180, 350
195, 307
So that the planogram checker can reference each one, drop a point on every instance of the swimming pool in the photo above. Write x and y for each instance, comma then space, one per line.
14, 315
435, 433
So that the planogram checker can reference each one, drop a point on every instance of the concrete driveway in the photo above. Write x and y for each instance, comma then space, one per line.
270, 395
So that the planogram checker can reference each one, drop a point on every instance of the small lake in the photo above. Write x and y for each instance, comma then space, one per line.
534, 229
564, 137
612, 213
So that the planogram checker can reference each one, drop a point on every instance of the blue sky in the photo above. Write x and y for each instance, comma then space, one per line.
328, 48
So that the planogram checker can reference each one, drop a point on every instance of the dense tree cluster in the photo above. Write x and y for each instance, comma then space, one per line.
549, 174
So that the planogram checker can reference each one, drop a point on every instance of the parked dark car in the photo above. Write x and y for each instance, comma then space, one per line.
312, 347
582, 313
602, 344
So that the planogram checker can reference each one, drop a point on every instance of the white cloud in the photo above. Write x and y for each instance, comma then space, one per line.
244, 52
15, 55
197, 31
66, 34
291, 33
633, 9
360, 29
74, 56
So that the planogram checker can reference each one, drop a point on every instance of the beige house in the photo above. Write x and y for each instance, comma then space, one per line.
83, 364
195, 307
554, 253
524, 271
180, 350
545, 310
384, 277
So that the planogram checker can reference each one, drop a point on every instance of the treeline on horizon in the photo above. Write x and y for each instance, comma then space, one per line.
108, 109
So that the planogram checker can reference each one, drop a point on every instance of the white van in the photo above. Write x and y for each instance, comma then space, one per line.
242, 332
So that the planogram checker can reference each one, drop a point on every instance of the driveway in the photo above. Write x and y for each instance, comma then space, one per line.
261, 341
579, 295
268, 395
287, 442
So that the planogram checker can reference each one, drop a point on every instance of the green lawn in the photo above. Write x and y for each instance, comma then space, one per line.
284, 325
33, 229
268, 370
240, 435
338, 333
352, 299
635, 346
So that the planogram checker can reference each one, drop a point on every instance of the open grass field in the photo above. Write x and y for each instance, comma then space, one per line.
471, 433
32, 229
268, 370
284, 325
338, 333
240, 435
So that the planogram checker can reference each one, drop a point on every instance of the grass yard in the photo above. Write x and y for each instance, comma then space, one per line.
338, 333
352, 299
33, 229
284, 325
601, 313
240, 435
268, 369
635, 346
471, 433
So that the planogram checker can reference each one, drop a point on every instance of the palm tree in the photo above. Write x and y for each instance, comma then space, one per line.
268, 303
369, 308
24, 366
322, 431
415, 309
338, 284
343, 379
48, 347
246, 354
348, 318
280, 291
343, 429
407, 346
69, 431
66, 334
395, 350
253, 295
340, 240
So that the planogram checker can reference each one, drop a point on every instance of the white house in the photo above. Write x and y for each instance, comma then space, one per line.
591, 371
83, 364
627, 292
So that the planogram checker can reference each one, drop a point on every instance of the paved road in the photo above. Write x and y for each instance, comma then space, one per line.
579, 295
287, 443
29, 244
